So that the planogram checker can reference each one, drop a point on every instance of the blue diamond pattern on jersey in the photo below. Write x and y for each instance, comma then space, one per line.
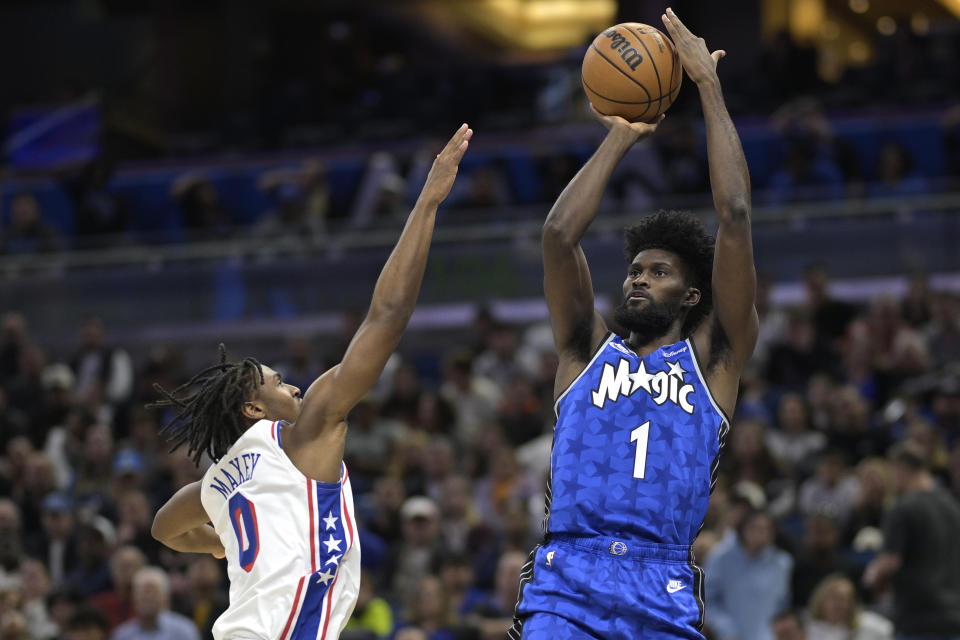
594, 460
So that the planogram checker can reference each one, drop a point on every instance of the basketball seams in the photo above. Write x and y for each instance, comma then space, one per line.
652, 62
625, 74
600, 95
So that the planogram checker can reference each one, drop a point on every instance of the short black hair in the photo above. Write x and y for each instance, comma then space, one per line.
909, 454
682, 233
87, 617
210, 419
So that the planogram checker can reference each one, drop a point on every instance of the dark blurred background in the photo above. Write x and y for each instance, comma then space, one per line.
176, 174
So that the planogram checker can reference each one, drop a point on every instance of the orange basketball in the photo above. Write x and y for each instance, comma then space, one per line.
631, 70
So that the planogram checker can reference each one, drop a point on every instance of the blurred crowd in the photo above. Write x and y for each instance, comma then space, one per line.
804, 156
449, 455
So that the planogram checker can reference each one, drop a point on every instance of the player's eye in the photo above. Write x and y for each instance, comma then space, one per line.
634, 273
661, 272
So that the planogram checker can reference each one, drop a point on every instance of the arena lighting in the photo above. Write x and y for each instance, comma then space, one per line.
539, 24
886, 25
859, 6
952, 5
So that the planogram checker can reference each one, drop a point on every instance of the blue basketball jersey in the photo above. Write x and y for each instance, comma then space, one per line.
636, 447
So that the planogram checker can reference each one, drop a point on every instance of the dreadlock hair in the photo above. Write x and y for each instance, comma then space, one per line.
210, 419
682, 233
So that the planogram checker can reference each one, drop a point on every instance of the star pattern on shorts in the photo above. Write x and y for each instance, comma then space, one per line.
333, 544
324, 578
330, 522
334, 560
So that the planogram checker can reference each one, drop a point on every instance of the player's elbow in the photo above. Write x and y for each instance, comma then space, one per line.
555, 234
735, 209
159, 529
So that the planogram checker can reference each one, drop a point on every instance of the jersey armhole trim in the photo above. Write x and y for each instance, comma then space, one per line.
596, 354
703, 380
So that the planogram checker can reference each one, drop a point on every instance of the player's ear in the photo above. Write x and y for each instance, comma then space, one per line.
692, 297
254, 410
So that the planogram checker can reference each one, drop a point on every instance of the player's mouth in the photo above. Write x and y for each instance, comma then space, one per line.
637, 295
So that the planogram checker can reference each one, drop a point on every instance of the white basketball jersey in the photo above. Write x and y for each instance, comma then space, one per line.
292, 551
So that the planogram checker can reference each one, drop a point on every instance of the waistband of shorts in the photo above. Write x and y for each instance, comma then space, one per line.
623, 547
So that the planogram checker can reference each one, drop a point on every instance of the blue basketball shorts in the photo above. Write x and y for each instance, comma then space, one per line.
603, 588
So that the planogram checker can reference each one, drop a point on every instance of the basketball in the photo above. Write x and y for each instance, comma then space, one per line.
631, 70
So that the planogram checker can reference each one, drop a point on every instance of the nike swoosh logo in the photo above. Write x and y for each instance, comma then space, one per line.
672, 589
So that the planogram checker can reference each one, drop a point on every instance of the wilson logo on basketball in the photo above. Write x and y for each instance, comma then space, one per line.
622, 46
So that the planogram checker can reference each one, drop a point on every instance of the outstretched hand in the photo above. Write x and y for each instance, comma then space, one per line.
639, 129
444, 169
699, 63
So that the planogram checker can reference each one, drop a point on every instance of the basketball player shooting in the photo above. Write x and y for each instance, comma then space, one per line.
641, 420
278, 495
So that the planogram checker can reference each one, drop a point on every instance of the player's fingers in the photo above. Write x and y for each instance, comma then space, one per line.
677, 24
719, 53
457, 138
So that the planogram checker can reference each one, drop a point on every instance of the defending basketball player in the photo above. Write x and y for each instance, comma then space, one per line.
279, 496
641, 420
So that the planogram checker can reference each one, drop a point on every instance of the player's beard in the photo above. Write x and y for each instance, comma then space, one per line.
647, 322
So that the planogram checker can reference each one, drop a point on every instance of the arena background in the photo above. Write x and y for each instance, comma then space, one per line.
179, 174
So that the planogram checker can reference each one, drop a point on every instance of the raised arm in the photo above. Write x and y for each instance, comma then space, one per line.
334, 394
734, 274
577, 327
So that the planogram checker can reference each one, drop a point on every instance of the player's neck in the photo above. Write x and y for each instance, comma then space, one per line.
644, 345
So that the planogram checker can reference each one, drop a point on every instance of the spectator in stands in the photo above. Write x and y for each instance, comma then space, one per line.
475, 398
792, 359
95, 540
920, 555
13, 339
896, 175
835, 613
87, 624
11, 543
35, 586
92, 484
39, 481
372, 613
807, 174
23, 396
28, 232
413, 555
430, 611
943, 332
793, 443
748, 583
56, 545
874, 497
851, 428
134, 519
493, 616
831, 490
63, 603
301, 201
205, 597
499, 361
104, 372
830, 316
462, 527
154, 621
788, 625
98, 210
117, 602
819, 557
203, 213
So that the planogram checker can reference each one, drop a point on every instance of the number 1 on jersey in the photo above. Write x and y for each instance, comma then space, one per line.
640, 435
